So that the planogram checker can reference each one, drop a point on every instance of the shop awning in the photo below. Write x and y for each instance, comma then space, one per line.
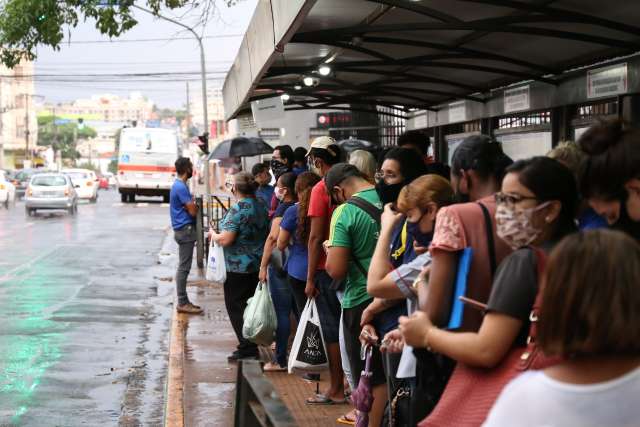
420, 54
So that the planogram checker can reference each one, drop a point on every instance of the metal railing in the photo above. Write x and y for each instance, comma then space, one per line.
217, 207
257, 403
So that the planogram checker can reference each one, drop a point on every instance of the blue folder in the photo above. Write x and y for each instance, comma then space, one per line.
460, 289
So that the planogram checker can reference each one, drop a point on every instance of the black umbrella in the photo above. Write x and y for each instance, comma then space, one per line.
240, 147
351, 144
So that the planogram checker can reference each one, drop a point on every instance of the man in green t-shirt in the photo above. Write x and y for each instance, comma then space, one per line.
352, 240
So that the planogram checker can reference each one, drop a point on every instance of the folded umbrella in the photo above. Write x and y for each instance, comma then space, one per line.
362, 397
240, 147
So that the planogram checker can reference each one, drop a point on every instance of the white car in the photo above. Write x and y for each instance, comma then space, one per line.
111, 178
85, 183
7, 190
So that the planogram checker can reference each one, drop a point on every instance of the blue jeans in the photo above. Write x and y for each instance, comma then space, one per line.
282, 297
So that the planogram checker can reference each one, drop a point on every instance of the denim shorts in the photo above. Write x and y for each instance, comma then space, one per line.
328, 307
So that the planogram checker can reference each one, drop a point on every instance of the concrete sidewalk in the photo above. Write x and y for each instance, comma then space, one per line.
201, 384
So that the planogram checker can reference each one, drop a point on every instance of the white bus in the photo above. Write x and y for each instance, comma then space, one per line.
146, 158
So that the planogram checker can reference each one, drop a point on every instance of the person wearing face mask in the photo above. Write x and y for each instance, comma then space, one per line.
536, 207
400, 167
260, 172
243, 231
323, 153
183, 211
478, 166
272, 266
281, 162
353, 234
419, 202
610, 176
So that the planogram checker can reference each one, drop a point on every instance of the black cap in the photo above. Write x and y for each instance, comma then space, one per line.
338, 173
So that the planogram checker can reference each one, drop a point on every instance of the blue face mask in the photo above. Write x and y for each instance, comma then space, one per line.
421, 239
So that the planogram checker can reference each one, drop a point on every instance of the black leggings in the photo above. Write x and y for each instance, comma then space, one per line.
238, 288
297, 289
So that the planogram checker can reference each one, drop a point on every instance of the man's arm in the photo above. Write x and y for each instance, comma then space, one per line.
338, 262
191, 208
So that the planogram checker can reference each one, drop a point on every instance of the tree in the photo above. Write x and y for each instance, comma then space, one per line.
62, 137
25, 24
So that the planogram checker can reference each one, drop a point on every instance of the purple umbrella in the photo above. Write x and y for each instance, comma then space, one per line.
361, 396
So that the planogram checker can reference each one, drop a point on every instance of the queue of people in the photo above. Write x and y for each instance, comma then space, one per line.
493, 293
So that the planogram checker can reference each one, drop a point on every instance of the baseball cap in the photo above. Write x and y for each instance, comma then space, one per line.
338, 173
324, 143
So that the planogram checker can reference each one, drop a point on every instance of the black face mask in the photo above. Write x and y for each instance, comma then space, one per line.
388, 193
278, 168
421, 239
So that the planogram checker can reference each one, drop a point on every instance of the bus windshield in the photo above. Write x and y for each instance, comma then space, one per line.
134, 141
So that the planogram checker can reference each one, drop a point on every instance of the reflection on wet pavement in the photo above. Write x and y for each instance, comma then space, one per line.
84, 319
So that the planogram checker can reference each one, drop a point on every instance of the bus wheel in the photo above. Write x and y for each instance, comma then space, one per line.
132, 198
123, 197
165, 198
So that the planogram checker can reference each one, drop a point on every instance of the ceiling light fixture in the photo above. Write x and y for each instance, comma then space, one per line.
324, 70
297, 87
285, 97
308, 81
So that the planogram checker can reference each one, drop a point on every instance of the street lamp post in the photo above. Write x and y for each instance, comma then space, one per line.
203, 76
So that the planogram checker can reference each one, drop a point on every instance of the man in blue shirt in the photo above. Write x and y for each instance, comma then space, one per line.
183, 210
261, 174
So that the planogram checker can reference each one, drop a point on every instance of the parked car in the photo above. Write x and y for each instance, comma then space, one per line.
7, 190
21, 179
85, 182
52, 191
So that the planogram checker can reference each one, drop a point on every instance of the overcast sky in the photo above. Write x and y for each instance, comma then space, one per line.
58, 71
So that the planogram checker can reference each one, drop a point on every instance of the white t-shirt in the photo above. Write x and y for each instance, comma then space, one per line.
536, 400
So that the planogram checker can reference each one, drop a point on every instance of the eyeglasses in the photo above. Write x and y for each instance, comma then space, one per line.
379, 176
511, 200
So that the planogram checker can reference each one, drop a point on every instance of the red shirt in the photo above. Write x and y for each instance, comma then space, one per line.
320, 206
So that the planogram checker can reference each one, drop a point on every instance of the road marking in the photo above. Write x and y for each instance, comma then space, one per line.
117, 205
164, 205
142, 205
12, 273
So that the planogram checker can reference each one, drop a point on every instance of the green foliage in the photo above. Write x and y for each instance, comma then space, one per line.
113, 166
87, 165
25, 24
62, 137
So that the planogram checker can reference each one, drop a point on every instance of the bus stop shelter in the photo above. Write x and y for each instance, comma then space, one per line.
529, 72
449, 67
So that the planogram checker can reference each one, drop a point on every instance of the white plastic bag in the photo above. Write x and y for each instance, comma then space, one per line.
216, 268
259, 318
308, 353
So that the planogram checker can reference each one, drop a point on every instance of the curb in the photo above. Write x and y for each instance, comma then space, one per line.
174, 409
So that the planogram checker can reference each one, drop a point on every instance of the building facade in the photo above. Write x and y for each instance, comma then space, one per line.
106, 108
18, 123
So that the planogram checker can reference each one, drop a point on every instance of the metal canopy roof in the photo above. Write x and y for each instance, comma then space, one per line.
422, 54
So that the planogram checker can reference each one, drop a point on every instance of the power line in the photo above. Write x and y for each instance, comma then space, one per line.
38, 64
160, 74
152, 40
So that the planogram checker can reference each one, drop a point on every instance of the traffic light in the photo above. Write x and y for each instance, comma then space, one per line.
203, 142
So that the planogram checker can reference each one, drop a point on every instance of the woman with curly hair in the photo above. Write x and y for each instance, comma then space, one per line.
294, 234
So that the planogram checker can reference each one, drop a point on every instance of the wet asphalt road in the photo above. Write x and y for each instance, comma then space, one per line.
85, 309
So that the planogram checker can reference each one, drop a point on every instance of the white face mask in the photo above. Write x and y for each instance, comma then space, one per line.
280, 193
516, 227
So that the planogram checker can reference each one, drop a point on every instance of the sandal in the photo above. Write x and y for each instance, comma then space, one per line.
347, 419
321, 399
